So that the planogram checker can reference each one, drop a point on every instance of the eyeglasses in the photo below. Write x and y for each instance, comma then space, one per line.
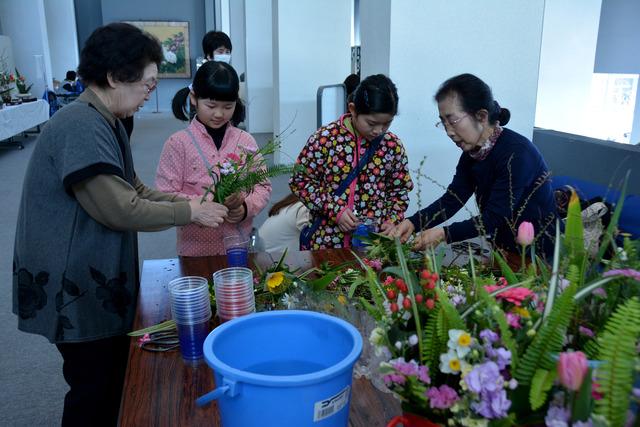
443, 123
151, 86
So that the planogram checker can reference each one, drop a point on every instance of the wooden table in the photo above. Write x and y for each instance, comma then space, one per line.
160, 389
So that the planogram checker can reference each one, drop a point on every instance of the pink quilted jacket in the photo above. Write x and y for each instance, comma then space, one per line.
182, 171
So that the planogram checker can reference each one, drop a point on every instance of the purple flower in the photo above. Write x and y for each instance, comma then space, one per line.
442, 398
484, 377
627, 272
557, 416
599, 292
394, 379
586, 332
493, 404
503, 358
587, 423
489, 336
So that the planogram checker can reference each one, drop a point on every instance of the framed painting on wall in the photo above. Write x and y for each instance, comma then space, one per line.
174, 38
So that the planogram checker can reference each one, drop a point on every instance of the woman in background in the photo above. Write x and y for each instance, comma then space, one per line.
282, 228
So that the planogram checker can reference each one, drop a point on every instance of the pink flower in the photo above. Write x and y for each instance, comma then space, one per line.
143, 339
513, 320
586, 332
525, 233
572, 367
234, 157
443, 397
514, 296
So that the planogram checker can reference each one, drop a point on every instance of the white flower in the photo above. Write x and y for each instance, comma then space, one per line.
398, 345
460, 342
512, 384
169, 56
377, 336
383, 352
413, 339
450, 363
289, 301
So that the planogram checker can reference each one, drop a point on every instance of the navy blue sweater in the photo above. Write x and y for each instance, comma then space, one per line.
511, 185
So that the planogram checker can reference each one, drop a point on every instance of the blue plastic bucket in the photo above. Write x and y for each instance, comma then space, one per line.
283, 368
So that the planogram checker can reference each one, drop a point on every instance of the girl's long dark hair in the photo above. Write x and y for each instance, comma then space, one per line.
283, 203
213, 80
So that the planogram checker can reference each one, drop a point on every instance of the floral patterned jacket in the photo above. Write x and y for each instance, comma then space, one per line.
380, 192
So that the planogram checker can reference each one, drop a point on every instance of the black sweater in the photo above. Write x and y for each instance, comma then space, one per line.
511, 185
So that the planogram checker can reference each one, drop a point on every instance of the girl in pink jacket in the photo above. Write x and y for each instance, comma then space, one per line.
209, 139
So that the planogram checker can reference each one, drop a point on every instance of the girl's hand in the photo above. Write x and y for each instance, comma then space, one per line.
404, 230
429, 238
347, 221
234, 201
237, 214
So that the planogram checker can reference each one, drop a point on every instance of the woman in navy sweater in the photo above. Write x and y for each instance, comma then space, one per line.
502, 168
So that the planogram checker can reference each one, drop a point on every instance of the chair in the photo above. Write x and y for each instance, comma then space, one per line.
331, 103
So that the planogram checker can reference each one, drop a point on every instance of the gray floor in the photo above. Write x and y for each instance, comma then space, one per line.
30, 367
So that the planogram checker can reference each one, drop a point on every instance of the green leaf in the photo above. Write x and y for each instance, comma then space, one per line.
541, 383
574, 231
507, 272
618, 353
613, 224
583, 402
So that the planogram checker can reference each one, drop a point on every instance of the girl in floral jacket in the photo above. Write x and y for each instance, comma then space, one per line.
209, 140
353, 170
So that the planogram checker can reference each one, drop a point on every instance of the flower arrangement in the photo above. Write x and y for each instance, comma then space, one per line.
241, 172
21, 83
472, 346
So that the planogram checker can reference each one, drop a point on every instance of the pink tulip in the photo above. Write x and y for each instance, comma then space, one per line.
525, 233
572, 367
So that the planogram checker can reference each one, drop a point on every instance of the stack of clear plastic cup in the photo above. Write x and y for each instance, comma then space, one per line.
191, 310
234, 292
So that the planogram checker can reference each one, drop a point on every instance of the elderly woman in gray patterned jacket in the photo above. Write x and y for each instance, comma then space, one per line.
75, 277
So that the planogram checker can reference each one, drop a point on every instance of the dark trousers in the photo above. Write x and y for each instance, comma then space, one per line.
95, 372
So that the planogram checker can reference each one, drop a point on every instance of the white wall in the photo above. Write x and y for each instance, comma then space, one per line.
374, 37
237, 34
63, 39
24, 22
432, 41
259, 66
311, 48
566, 68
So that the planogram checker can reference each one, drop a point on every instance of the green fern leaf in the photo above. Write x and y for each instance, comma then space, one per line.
432, 344
549, 338
541, 383
618, 353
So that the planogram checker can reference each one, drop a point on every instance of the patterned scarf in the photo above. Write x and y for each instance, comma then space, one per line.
486, 147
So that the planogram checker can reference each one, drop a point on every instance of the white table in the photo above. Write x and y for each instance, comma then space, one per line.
15, 119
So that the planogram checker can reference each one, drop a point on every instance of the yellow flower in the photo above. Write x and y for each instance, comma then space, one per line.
454, 365
274, 280
523, 312
342, 300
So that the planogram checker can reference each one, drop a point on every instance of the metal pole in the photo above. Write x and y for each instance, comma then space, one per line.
157, 110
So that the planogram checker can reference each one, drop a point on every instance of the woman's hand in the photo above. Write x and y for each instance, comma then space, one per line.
404, 230
428, 238
237, 208
347, 221
209, 214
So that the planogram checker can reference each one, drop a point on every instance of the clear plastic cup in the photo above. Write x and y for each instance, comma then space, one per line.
191, 310
234, 292
237, 249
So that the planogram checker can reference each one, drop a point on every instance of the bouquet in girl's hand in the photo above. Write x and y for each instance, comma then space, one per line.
242, 172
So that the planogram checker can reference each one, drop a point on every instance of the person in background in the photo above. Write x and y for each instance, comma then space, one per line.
209, 140
281, 230
353, 170
351, 83
75, 265
69, 83
216, 46
504, 170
